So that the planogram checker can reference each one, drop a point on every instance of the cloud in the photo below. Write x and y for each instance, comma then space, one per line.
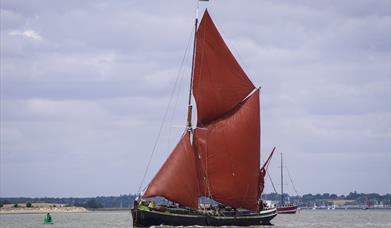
10, 19
31, 34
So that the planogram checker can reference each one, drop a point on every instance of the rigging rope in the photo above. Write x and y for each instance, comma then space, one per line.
165, 115
289, 175
179, 91
271, 181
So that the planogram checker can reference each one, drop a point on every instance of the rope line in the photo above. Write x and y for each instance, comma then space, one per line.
271, 181
179, 91
164, 117
289, 175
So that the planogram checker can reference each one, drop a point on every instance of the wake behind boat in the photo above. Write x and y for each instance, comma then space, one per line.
222, 161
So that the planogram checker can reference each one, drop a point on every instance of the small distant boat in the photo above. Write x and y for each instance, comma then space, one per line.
367, 206
287, 209
284, 208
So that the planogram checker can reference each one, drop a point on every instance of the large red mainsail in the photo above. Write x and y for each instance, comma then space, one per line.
177, 178
228, 150
219, 82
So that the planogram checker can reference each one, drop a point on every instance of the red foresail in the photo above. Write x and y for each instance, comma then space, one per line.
228, 151
177, 178
219, 82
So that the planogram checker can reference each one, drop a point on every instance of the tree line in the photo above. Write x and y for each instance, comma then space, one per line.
126, 201
354, 197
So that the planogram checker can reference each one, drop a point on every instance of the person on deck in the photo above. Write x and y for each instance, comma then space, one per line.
151, 205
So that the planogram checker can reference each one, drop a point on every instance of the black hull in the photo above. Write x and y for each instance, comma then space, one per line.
144, 218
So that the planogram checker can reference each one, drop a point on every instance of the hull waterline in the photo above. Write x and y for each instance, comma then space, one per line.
144, 218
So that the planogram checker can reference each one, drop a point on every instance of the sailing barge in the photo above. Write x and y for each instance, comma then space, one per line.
220, 157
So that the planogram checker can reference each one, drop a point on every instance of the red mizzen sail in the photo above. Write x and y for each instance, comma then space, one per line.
263, 170
228, 150
177, 178
219, 82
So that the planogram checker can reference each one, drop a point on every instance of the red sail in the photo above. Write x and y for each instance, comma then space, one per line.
177, 178
262, 173
219, 82
263, 170
229, 154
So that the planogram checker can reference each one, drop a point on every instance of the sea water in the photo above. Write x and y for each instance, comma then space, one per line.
306, 218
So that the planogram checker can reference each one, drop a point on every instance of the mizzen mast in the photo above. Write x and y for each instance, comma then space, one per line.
282, 183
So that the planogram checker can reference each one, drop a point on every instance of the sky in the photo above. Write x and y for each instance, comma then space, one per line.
85, 86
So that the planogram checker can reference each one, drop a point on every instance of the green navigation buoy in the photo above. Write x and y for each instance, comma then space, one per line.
48, 219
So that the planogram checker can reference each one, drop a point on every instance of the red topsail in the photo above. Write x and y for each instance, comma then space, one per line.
219, 82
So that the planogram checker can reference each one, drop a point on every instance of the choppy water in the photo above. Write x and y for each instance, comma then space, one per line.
306, 218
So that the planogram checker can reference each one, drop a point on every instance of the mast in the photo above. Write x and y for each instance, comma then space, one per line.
190, 107
282, 183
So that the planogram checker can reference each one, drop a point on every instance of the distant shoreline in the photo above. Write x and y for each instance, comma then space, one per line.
342, 209
41, 208
125, 202
24, 211
39, 212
